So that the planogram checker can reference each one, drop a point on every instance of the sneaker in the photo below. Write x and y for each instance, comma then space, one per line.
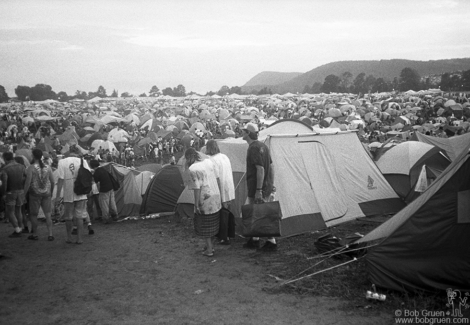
15, 235
25, 230
251, 243
224, 242
74, 231
268, 247
90, 230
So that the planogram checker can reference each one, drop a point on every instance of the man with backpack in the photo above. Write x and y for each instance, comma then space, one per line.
74, 204
105, 185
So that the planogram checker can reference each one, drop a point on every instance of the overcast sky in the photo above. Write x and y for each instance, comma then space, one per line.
203, 45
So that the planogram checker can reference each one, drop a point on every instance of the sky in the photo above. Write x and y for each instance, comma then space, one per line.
203, 44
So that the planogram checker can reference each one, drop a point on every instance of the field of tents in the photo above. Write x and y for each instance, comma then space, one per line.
394, 214
328, 178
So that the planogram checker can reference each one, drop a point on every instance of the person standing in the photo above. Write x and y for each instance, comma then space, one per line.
74, 204
13, 177
207, 202
223, 170
259, 177
106, 197
93, 201
40, 184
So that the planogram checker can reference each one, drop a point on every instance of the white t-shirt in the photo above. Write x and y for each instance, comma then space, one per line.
223, 170
68, 171
202, 176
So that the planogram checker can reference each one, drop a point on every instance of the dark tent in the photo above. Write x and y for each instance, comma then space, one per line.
425, 246
163, 191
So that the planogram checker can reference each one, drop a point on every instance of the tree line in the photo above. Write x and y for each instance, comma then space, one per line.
345, 83
409, 79
42, 92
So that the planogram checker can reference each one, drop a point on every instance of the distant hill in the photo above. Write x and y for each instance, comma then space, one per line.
271, 78
387, 69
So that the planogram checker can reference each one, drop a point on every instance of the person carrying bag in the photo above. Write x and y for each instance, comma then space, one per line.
260, 186
262, 219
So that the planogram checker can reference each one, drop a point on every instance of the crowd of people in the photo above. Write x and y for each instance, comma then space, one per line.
39, 138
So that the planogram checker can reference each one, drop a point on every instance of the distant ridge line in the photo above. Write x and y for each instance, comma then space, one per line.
386, 69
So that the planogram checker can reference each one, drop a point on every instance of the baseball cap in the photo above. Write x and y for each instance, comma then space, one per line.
251, 127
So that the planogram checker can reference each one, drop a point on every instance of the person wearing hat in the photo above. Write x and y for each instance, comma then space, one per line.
259, 178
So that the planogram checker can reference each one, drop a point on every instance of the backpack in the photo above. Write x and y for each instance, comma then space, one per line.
83, 182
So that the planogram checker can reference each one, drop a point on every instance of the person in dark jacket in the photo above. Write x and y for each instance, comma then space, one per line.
106, 197
13, 177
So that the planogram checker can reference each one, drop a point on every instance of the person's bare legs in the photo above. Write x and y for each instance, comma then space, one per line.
79, 230
23, 217
34, 224
68, 230
10, 213
49, 223
209, 247
19, 216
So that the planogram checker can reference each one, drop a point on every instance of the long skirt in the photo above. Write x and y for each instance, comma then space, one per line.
207, 225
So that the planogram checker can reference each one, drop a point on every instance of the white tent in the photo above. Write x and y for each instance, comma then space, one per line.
327, 179
321, 179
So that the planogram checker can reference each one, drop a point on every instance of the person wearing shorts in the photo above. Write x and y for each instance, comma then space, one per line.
13, 176
39, 184
74, 204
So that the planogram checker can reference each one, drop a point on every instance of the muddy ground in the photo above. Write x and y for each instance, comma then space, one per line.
152, 272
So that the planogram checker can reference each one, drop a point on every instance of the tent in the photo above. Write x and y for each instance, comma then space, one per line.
425, 245
321, 179
163, 191
152, 167
133, 185
102, 144
452, 146
285, 126
326, 179
402, 164
69, 136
